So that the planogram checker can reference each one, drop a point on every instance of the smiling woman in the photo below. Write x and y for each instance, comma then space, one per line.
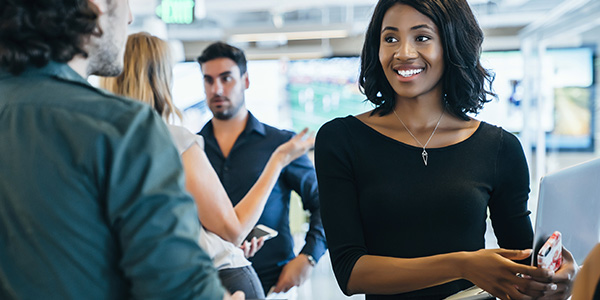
411, 52
460, 39
409, 222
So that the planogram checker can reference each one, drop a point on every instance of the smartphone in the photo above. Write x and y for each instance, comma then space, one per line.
260, 231
550, 255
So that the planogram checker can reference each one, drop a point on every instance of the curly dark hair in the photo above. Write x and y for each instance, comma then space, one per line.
464, 79
219, 50
35, 32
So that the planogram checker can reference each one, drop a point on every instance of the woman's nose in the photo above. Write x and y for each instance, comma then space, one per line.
405, 50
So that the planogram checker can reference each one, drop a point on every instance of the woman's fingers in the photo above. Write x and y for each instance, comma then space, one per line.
534, 288
514, 254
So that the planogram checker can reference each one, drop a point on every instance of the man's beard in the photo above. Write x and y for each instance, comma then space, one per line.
228, 113
106, 53
107, 60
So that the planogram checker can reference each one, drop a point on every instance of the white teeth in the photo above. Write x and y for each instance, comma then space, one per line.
408, 73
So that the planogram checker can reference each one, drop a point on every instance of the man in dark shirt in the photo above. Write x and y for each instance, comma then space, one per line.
92, 204
238, 147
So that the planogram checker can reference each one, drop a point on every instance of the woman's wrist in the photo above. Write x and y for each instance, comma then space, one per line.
279, 159
459, 263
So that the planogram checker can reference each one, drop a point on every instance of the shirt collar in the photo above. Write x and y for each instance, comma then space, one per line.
53, 69
254, 125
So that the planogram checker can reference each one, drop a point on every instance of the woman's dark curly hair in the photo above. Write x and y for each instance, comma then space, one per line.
464, 79
35, 32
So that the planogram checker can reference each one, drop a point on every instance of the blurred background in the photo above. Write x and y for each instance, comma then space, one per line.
304, 66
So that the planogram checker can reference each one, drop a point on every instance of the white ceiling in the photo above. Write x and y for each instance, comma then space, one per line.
232, 20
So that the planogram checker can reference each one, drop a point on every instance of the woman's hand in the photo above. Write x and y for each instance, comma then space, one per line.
563, 279
295, 147
239, 295
495, 271
251, 247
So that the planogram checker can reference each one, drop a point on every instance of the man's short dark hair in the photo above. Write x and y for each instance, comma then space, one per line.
35, 32
223, 50
464, 79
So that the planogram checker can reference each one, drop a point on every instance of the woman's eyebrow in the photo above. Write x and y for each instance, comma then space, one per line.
392, 28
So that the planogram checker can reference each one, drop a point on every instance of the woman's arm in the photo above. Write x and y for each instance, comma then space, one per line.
510, 216
215, 210
491, 269
343, 215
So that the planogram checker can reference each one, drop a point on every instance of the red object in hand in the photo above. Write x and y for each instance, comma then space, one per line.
550, 255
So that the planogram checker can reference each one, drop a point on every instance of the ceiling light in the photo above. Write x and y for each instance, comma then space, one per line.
290, 36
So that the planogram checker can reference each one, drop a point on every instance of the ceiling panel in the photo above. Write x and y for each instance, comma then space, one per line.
226, 18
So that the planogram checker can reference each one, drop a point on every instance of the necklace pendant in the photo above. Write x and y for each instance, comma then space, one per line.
425, 155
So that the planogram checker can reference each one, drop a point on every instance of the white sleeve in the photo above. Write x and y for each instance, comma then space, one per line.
184, 139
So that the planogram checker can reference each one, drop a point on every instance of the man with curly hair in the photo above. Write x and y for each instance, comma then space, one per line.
92, 203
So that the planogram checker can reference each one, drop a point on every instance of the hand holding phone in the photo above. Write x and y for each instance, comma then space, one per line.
550, 255
260, 231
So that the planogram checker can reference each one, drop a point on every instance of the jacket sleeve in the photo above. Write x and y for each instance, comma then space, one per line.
153, 217
300, 175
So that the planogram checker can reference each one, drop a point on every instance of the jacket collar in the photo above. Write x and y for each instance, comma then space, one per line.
52, 69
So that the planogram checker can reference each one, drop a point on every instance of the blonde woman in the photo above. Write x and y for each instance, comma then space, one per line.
147, 76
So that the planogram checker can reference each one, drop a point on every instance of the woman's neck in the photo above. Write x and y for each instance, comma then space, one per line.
422, 112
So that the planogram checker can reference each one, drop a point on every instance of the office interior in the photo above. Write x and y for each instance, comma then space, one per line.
304, 65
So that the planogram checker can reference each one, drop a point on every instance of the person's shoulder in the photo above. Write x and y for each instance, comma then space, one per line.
184, 138
179, 130
349, 119
86, 98
497, 131
274, 130
503, 138
337, 124
77, 97
107, 113
339, 135
274, 133
114, 108
115, 103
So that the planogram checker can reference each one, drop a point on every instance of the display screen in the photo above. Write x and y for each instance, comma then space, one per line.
319, 90
567, 111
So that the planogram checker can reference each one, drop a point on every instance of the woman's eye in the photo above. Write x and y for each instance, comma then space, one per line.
390, 39
423, 38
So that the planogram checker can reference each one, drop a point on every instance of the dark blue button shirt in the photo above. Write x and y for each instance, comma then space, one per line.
241, 169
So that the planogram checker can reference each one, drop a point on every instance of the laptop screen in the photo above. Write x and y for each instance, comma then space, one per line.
569, 202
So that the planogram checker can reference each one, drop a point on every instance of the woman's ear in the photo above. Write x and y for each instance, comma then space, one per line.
100, 4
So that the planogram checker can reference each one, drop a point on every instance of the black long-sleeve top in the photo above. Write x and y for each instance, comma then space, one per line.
378, 197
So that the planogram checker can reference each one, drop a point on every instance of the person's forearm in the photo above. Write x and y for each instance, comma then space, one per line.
250, 208
214, 206
389, 275
315, 237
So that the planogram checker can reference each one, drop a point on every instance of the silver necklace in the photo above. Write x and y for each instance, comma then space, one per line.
424, 154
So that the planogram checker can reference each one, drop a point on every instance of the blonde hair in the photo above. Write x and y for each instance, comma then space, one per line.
147, 74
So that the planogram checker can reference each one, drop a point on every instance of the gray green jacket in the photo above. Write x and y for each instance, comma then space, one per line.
92, 203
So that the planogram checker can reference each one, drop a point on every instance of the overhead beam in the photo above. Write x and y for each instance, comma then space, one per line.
573, 16
277, 5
